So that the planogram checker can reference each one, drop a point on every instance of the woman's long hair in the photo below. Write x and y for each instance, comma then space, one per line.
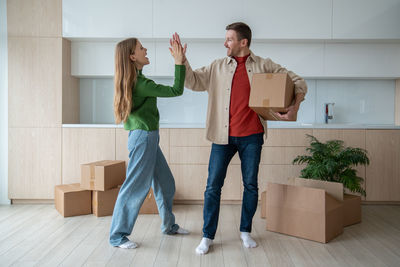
124, 79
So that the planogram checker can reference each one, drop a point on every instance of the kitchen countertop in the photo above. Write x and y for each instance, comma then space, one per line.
271, 125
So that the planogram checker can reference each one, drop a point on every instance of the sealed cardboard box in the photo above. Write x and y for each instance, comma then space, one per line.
103, 202
71, 200
305, 212
351, 209
263, 204
102, 175
269, 93
149, 205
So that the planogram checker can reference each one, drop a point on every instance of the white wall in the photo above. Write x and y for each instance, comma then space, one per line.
3, 105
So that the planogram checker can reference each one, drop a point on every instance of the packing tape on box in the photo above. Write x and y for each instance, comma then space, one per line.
266, 102
268, 76
91, 183
92, 171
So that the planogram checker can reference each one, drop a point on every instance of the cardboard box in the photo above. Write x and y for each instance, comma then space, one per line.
269, 93
351, 209
263, 204
71, 200
149, 205
103, 202
102, 175
351, 203
305, 212
332, 188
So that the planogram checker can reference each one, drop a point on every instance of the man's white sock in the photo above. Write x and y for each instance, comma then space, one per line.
248, 242
204, 245
128, 244
182, 231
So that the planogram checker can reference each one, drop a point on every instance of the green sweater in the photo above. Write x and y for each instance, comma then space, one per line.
144, 114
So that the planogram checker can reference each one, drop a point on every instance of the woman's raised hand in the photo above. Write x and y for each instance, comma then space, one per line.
176, 39
177, 52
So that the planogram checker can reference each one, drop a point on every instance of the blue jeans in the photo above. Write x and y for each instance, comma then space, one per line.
249, 148
146, 167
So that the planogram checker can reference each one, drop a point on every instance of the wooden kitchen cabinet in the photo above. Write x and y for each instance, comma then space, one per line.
121, 144
287, 137
35, 81
189, 157
383, 173
34, 163
35, 73
34, 18
83, 145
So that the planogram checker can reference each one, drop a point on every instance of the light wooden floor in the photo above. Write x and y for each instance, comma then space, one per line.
36, 235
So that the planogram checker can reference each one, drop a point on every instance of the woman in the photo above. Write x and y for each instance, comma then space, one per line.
135, 104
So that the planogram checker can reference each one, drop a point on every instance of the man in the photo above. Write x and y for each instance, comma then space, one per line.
232, 126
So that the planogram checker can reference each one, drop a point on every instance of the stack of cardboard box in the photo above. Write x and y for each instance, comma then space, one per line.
97, 192
103, 178
310, 209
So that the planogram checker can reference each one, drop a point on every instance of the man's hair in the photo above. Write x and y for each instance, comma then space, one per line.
242, 30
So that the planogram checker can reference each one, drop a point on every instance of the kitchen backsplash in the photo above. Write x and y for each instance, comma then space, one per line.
363, 101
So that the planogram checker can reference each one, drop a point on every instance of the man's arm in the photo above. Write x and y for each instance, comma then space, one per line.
197, 80
291, 111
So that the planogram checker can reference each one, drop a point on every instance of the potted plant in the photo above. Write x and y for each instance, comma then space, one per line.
332, 161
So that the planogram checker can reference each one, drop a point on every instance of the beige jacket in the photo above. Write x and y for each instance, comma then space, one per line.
216, 79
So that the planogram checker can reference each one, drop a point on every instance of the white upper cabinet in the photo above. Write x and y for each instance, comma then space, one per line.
107, 19
366, 19
289, 19
195, 19
90, 59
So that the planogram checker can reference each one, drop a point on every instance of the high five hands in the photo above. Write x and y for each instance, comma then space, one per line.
176, 40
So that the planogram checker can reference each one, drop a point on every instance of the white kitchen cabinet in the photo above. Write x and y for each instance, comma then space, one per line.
107, 19
359, 59
366, 19
303, 58
289, 19
195, 19
199, 54
96, 58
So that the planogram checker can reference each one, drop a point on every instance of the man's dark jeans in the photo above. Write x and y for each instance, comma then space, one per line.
249, 148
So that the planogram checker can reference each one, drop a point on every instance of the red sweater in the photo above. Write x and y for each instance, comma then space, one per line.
243, 121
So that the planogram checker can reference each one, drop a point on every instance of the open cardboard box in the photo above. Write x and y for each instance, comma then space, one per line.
351, 203
270, 93
306, 212
310, 209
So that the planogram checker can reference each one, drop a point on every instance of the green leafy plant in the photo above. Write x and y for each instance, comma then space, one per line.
332, 161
